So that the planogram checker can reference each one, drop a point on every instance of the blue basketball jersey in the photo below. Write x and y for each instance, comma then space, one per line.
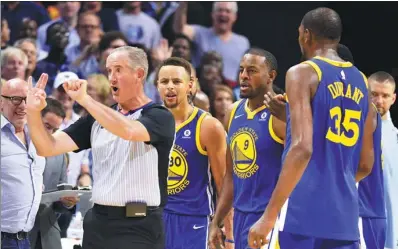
324, 203
189, 181
256, 155
370, 189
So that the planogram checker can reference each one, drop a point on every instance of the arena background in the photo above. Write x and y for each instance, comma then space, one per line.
370, 31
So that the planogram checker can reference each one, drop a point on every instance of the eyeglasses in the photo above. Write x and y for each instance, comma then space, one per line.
15, 100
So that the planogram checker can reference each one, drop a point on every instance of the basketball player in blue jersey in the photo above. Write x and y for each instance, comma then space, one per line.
200, 140
372, 208
372, 224
329, 145
254, 153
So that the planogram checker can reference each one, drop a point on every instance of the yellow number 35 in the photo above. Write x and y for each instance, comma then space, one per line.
349, 125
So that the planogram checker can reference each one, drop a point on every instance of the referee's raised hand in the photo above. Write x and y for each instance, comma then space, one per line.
76, 89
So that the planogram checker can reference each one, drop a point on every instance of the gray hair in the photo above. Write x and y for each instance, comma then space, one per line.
233, 5
13, 51
19, 42
137, 57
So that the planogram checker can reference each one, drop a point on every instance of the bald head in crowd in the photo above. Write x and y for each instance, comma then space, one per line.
382, 86
13, 102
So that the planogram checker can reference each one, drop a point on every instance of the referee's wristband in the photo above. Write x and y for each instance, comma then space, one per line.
229, 241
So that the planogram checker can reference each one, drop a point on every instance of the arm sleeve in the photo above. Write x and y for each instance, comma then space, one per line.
80, 132
159, 123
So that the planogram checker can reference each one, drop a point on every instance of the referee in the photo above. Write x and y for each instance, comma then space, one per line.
130, 142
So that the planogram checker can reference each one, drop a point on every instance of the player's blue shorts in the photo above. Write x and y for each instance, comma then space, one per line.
296, 241
372, 232
185, 232
242, 224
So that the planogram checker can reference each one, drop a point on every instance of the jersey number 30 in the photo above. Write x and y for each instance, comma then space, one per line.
349, 125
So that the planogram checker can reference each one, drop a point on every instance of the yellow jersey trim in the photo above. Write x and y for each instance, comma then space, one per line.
197, 134
272, 132
316, 68
231, 117
365, 79
188, 120
334, 63
251, 114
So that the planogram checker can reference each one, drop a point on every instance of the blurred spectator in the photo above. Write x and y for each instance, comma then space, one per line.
164, 12
5, 33
182, 47
46, 232
99, 89
219, 37
212, 58
68, 12
89, 30
107, 16
138, 26
16, 12
93, 58
195, 85
56, 61
59, 93
28, 45
202, 101
21, 168
220, 100
109, 42
28, 29
210, 76
13, 63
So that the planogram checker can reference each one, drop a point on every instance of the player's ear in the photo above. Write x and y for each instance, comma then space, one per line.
272, 75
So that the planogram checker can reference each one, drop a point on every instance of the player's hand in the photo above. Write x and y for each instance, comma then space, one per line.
76, 89
276, 103
215, 237
258, 233
36, 98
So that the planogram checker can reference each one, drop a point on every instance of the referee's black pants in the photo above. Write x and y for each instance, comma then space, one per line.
108, 227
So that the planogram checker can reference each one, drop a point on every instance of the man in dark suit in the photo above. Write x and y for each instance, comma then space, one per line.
46, 231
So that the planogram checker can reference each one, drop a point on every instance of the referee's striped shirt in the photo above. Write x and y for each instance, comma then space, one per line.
128, 171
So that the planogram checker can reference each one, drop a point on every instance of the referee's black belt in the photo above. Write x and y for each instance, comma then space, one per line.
120, 211
16, 236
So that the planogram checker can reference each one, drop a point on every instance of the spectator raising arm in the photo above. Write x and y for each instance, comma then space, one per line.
180, 21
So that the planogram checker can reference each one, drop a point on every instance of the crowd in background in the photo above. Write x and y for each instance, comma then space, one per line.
72, 40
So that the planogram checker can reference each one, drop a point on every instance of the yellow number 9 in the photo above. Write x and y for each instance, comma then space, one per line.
348, 124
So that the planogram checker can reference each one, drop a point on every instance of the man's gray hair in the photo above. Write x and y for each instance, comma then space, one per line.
13, 51
137, 57
19, 42
233, 5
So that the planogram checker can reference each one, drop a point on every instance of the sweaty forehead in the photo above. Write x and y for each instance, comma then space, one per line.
253, 60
